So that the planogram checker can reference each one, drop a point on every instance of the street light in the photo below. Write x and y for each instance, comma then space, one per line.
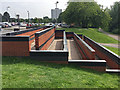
18, 20
28, 17
8, 8
56, 11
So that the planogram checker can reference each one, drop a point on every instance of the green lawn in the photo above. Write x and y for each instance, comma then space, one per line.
26, 73
113, 49
94, 34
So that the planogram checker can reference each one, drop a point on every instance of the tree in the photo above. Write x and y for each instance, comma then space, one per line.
6, 17
46, 19
60, 18
86, 14
35, 20
115, 22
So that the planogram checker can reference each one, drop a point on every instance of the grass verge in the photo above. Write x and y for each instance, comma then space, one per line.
113, 49
94, 34
27, 73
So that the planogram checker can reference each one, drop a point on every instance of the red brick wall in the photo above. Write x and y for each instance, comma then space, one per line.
98, 68
46, 46
15, 48
69, 35
88, 53
112, 64
43, 38
29, 33
59, 34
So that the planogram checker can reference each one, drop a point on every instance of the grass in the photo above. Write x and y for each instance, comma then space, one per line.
113, 49
26, 73
94, 34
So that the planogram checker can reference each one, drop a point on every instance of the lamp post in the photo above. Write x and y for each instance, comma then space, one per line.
28, 17
56, 11
8, 8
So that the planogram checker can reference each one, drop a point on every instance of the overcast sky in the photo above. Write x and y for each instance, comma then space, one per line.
38, 8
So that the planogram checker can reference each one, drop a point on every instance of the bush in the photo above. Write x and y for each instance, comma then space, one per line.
116, 31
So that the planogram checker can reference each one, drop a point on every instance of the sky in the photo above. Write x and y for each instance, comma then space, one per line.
38, 8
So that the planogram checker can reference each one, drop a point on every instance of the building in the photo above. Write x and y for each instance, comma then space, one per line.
55, 13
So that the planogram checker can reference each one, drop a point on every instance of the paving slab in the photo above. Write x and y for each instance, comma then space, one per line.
57, 44
74, 53
33, 45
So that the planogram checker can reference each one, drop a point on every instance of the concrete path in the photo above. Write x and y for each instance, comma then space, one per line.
117, 37
57, 44
110, 45
74, 54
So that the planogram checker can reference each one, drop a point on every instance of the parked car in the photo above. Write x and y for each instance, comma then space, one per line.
13, 23
49, 24
65, 26
7, 24
23, 24
0, 28
2, 24
59, 24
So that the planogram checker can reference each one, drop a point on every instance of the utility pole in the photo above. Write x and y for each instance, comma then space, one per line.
56, 10
18, 20
28, 18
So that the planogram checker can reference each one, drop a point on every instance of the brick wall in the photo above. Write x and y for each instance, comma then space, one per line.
69, 35
59, 34
111, 59
15, 46
86, 51
44, 38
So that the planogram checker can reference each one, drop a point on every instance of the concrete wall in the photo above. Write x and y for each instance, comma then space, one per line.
86, 51
113, 61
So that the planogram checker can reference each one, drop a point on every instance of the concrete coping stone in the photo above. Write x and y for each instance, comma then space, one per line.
65, 41
84, 43
48, 51
87, 61
113, 70
13, 36
44, 30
